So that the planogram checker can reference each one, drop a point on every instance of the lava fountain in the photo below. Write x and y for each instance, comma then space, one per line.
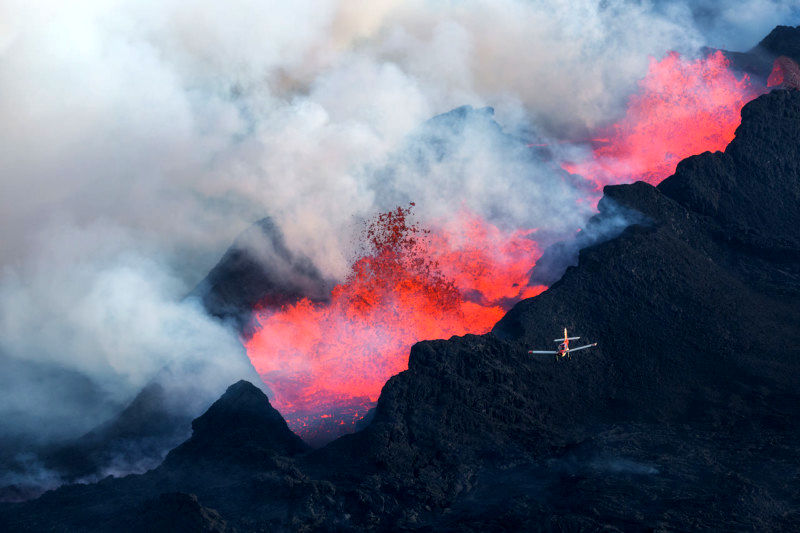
327, 362
683, 107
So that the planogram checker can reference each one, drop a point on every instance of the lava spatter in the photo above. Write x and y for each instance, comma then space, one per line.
326, 362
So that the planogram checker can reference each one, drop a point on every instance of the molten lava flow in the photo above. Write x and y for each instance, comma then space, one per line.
326, 363
683, 108
785, 73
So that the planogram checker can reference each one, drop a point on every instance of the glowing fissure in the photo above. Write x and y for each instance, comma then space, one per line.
327, 362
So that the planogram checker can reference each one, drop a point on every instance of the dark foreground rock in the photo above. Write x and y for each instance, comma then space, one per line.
686, 416
178, 513
239, 427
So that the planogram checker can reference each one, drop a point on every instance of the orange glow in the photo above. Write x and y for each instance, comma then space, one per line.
683, 107
785, 73
413, 284
777, 75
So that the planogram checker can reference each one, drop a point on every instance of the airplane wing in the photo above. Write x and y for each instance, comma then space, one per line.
582, 347
568, 338
542, 351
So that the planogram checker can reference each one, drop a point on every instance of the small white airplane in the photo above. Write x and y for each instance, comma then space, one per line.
563, 348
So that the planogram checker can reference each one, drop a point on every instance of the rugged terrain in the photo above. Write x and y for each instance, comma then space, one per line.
758, 62
687, 415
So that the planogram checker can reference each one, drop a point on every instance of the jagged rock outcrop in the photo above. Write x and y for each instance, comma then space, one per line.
759, 61
752, 190
241, 427
258, 269
782, 41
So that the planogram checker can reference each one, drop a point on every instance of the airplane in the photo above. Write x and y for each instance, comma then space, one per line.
563, 348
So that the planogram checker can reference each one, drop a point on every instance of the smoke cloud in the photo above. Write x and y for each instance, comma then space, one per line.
141, 137
91, 305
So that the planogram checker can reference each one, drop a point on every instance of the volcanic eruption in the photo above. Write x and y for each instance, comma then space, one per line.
437, 188
326, 362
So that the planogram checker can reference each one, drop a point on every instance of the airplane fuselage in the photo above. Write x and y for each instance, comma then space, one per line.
563, 351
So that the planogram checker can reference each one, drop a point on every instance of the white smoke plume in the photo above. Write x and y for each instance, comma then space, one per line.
140, 137
95, 305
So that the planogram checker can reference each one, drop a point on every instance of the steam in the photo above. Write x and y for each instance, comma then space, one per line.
140, 138
111, 314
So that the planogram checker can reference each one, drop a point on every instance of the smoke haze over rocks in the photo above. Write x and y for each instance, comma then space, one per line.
111, 314
140, 138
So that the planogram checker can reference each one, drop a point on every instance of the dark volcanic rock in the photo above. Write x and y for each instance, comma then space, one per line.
239, 427
782, 41
758, 62
259, 269
685, 417
135, 440
177, 513
237, 462
753, 189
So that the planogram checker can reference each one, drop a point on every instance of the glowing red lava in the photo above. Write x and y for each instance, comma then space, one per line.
785, 73
326, 363
683, 107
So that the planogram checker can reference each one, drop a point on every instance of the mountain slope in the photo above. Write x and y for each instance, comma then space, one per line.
134, 440
758, 61
241, 427
258, 269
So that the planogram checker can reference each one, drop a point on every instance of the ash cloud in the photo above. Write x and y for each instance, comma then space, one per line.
140, 138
